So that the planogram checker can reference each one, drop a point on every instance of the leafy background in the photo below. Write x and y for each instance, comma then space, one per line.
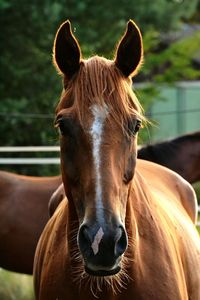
30, 86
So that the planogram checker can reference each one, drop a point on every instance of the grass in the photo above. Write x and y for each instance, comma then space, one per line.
196, 187
198, 227
14, 286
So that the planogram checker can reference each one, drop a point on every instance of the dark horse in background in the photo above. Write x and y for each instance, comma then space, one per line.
24, 200
181, 154
122, 232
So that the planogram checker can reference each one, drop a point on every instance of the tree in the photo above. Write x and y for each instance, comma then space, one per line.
29, 85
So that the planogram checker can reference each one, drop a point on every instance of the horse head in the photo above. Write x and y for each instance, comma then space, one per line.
98, 117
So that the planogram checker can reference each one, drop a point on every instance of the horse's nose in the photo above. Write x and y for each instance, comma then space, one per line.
101, 246
88, 240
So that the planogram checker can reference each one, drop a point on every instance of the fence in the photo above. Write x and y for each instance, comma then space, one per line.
50, 160
176, 110
19, 161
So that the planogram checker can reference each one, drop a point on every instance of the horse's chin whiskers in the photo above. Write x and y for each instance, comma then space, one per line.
97, 284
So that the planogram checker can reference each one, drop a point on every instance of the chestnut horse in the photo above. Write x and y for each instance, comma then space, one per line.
181, 154
123, 233
23, 215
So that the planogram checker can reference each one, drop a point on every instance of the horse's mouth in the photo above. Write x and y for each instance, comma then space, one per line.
102, 272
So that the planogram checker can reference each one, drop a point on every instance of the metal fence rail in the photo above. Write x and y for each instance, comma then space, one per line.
31, 160
30, 149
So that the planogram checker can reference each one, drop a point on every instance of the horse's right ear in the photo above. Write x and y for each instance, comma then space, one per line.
129, 53
66, 51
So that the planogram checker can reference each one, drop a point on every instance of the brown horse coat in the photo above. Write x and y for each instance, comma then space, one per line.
23, 215
157, 226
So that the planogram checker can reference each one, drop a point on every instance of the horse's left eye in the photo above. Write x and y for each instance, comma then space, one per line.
134, 126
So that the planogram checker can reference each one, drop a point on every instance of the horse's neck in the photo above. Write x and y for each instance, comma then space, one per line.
139, 198
72, 227
140, 214
72, 218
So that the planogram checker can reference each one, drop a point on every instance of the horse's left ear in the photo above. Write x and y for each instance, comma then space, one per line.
129, 52
66, 51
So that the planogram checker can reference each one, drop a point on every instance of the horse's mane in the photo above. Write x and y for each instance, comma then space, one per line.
100, 82
164, 150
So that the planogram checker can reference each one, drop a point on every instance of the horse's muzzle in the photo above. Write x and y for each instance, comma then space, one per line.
102, 248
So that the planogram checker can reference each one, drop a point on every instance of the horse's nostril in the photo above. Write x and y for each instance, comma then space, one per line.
85, 234
83, 238
121, 243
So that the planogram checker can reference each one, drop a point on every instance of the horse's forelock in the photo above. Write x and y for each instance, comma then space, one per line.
100, 82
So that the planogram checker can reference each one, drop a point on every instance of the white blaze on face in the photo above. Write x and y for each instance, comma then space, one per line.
96, 131
97, 239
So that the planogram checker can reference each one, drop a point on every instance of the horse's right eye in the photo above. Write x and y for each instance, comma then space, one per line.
59, 123
65, 126
61, 127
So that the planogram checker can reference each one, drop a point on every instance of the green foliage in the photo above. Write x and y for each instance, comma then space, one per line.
146, 93
196, 187
99, 24
26, 72
15, 286
175, 63
29, 85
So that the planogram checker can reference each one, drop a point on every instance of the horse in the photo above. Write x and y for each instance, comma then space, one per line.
122, 231
23, 215
181, 154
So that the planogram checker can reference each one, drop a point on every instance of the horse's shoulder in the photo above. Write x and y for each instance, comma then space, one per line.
188, 198
54, 224
154, 171
171, 184
50, 241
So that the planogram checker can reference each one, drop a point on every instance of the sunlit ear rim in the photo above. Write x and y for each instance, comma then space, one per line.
129, 53
66, 51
